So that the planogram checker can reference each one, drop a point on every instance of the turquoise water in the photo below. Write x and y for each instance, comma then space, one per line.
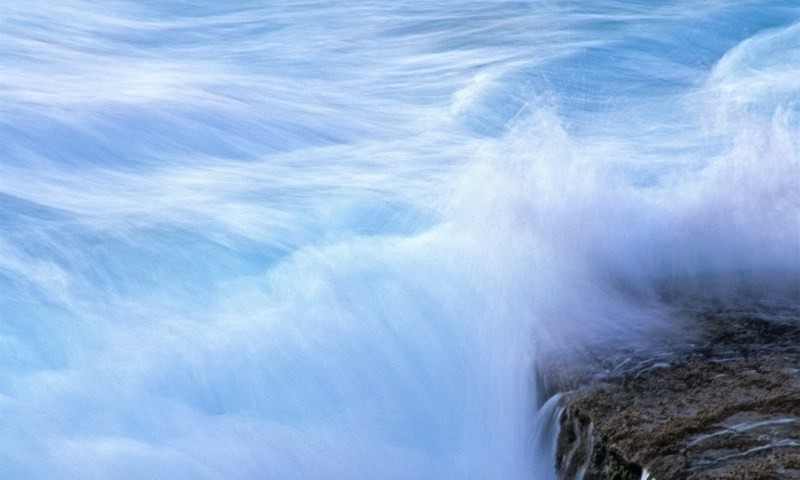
333, 240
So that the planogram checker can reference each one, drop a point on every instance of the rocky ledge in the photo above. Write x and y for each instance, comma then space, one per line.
724, 407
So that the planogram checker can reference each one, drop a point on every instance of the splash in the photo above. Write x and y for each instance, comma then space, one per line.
314, 240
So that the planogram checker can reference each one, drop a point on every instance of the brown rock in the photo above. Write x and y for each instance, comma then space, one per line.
726, 408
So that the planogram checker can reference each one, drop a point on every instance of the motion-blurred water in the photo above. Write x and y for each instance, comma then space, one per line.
330, 240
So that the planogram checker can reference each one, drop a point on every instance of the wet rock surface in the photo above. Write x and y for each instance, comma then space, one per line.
724, 407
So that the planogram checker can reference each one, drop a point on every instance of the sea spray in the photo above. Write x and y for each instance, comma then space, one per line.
311, 240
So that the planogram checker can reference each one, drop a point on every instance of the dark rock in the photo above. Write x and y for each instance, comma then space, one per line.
727, 407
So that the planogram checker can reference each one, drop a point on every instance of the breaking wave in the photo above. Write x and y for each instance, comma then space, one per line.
335, 239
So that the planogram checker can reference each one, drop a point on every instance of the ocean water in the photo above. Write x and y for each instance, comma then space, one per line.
335, 240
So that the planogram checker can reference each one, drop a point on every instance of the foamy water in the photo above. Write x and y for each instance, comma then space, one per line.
331, 240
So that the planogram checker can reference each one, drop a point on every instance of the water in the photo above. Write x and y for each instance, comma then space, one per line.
332, 240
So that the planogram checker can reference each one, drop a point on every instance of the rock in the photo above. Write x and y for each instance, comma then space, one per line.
727, 407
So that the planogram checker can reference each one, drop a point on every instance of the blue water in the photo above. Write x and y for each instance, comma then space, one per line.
335, 240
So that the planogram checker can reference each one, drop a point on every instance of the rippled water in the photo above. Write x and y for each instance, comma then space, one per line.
245, 240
